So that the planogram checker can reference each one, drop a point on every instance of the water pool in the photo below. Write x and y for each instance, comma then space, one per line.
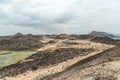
12, 57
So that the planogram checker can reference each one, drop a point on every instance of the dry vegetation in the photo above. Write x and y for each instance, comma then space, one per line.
105, 71
66, 43
55, 56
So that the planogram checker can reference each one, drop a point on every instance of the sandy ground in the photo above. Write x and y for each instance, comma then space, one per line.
40, 73
106, 71
81, 44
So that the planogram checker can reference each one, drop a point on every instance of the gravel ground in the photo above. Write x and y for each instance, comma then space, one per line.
106, 56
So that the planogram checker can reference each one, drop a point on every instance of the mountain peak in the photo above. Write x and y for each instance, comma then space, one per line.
100, 34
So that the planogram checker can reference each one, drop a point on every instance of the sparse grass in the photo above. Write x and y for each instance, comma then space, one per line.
48, 50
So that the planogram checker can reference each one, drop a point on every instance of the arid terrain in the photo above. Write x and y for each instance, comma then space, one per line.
62, 57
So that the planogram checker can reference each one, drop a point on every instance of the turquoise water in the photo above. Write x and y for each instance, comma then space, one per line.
117, 37
12, 57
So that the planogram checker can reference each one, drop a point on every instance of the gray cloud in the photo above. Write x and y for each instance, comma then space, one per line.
63, 16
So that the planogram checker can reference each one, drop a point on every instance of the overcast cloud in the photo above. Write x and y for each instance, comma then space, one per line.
59, 16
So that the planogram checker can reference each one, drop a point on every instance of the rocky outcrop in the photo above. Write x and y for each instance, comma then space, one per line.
100, 34
62, 36
20, 42
105, 40
88, 37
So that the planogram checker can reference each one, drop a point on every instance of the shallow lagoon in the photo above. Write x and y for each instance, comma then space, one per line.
11, 57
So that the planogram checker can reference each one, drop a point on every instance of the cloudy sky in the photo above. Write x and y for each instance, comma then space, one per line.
59, 16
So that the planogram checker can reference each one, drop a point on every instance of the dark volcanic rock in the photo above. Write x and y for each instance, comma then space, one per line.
51, 42
62, 36
20, 42
71, 43
105, 40
43, 59
100, 34
18, 35
88, 37
103, 57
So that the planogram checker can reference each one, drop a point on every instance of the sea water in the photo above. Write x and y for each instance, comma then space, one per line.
117, 37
